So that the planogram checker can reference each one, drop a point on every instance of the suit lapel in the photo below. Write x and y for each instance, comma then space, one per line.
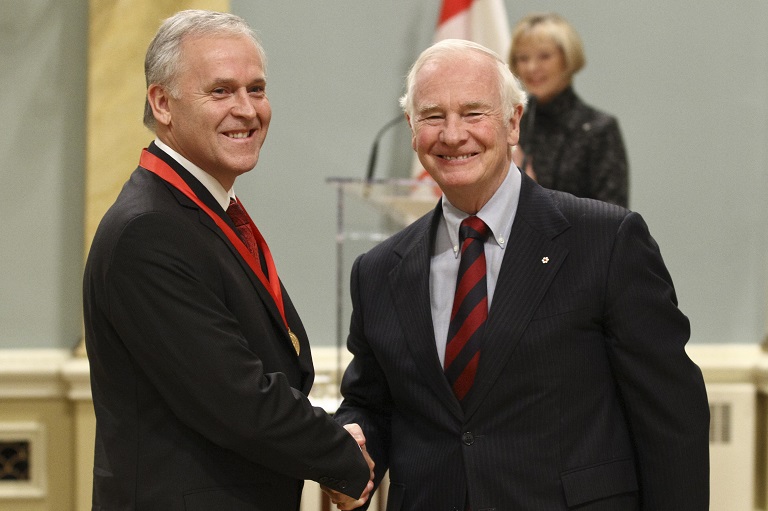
530, 262
409, 285
204, 195
263, 292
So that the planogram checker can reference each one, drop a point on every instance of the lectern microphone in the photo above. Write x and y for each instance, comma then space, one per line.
375, 147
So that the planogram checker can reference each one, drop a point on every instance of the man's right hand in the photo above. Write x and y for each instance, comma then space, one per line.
345, 502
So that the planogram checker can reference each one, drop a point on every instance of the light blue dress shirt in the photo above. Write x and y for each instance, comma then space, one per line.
498, 214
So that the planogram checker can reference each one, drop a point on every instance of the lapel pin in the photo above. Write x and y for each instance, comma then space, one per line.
545, 260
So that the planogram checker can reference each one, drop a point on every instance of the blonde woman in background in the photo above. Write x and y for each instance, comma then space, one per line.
564, 144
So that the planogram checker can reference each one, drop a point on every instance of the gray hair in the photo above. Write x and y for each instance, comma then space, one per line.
512, 93
162, 63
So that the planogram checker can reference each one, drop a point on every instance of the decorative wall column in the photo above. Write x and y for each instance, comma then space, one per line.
119, 33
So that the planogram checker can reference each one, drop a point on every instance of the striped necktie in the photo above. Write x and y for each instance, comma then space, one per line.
470, 308
243, 224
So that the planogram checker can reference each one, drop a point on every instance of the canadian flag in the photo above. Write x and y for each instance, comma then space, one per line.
482, 21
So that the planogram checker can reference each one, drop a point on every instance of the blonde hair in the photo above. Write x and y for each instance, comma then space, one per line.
558, 30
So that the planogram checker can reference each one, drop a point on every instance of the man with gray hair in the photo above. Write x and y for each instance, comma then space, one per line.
518, 348
200, 366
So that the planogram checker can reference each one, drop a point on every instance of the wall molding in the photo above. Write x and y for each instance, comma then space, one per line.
731, 363
33, 373
55, 373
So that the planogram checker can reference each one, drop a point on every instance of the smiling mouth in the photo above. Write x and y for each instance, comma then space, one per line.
461, 157
239, 134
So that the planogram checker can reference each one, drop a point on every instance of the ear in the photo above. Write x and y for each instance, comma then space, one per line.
159, 99
513, 129
413, 132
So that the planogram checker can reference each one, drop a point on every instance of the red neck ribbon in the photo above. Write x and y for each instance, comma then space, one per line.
157, 166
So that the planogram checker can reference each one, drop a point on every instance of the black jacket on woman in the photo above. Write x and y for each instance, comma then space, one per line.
576, 149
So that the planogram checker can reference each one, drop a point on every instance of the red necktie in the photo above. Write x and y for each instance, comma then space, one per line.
243, 225
470, 308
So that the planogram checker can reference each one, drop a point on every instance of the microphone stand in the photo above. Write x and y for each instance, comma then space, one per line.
375, 146
339, 252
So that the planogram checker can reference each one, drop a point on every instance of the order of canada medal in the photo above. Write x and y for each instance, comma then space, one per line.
295, 342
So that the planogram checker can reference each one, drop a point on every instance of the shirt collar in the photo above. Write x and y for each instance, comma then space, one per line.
498, 213
221, 195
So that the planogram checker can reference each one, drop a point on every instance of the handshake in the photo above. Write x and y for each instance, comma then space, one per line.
345, 502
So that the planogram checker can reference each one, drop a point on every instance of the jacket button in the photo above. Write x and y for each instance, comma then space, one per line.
468, 438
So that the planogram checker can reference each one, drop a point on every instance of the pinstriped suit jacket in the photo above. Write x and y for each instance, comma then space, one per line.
584, 398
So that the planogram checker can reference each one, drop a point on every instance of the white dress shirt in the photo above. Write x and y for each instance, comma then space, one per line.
221, 195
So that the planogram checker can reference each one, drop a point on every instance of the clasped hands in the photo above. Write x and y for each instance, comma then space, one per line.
345, 502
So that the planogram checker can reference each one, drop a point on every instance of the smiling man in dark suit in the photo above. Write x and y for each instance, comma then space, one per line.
200, 366
518, 348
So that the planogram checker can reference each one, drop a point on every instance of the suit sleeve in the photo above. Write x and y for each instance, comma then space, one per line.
662, 389
367, 400
165, 299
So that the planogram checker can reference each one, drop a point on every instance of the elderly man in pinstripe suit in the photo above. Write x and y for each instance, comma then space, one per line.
565, 383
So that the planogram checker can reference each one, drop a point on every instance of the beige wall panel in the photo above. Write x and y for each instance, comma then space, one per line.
120, 31
56, 415
85, 433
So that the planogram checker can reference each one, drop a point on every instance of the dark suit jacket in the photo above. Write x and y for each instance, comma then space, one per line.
584, 398
200, 398
576, 149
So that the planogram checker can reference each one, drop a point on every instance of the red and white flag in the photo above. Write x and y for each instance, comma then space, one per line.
482, 21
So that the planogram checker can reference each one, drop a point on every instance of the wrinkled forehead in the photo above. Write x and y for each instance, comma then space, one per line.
464, 78
453, 61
